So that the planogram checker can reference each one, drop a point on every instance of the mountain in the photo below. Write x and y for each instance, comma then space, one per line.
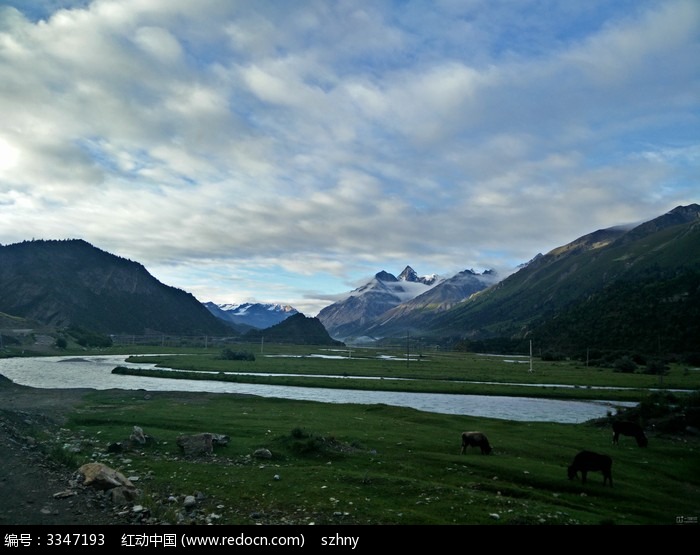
363, 305
634, 288
72, 283
297, 329
251, 315
410, 315
410, 275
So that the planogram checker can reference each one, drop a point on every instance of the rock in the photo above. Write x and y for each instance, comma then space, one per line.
64, 494
262, 454
122, 495
115, 447
201, 444
137, 436
219, 439
198, 444
102, 477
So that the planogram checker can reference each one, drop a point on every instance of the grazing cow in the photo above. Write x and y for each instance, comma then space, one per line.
629, 429
588, 461
475, 439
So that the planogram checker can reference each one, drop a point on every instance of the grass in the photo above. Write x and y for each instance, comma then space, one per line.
378, 464
438, 372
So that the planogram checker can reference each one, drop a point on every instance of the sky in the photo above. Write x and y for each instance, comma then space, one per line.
275, 151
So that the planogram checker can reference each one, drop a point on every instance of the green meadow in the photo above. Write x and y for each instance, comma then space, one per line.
378, 464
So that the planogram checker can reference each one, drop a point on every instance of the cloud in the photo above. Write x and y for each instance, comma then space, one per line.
323, 142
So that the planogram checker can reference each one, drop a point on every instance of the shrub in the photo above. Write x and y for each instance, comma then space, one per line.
552, 356
89, 338
625, 365
228, 354
656, 367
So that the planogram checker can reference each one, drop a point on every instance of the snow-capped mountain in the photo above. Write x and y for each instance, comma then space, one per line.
364, 304
410, 275
386, 302
447, 293
256, 315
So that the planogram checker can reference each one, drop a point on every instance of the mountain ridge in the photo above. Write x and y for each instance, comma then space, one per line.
632, 286
251, 315
371, 307
567, 277
365, 303
64, 283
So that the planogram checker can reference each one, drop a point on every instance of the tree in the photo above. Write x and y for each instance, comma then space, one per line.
658, 368
625, 365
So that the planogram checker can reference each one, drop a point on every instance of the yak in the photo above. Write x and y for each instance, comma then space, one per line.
629, 429
588, 461
476, 439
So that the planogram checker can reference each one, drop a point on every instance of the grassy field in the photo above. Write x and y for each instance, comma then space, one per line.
437, 372
376, 464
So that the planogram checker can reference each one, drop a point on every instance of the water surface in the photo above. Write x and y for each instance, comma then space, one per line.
95, 372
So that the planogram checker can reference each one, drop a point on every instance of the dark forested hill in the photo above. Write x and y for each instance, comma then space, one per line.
298, 329
72, 283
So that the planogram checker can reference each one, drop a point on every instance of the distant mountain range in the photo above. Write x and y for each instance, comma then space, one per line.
634, 288
251, 315
386, 300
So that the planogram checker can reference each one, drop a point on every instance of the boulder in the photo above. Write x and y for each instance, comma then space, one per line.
201, 444
137, 436
196, 444
262, 454
102, 477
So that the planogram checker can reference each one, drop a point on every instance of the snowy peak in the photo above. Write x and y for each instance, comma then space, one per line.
409, 274
256, 315
386, 297
244, 308
382, 293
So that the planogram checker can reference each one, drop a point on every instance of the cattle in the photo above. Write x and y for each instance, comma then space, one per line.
476, 439
588, 461
629, 429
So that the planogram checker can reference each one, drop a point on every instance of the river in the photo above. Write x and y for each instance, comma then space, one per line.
95, 372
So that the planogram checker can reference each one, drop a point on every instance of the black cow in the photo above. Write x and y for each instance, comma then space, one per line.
476, 439
588, 461
629, 429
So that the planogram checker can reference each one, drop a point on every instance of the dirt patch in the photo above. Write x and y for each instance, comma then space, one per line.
34, 488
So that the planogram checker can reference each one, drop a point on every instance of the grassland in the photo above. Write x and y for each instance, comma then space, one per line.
377, 464
434, 372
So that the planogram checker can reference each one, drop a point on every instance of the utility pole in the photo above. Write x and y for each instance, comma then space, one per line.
408, 349
530, 355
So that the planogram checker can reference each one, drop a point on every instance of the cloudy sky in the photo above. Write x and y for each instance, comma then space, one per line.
283, 151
